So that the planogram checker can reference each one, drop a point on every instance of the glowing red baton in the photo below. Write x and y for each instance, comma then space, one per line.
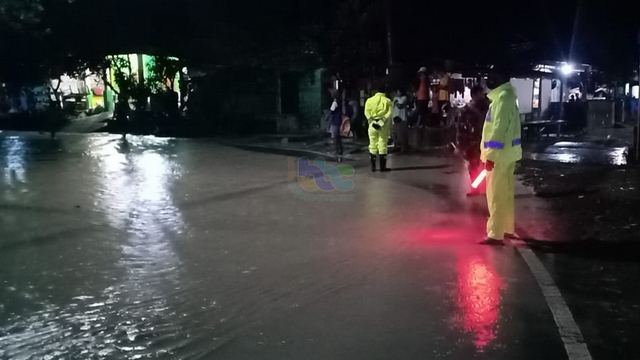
479, 179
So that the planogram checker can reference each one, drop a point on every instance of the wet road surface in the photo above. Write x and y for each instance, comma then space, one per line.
594, 254
184, 249
579, 152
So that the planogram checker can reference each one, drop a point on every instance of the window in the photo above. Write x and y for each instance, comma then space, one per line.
536, 94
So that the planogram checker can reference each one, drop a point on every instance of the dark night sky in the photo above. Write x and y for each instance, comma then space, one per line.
597, 30
602, 32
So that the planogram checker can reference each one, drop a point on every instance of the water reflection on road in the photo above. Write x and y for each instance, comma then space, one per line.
14, 171
478, 299
132, 316
135, 193
479, 287
578, 153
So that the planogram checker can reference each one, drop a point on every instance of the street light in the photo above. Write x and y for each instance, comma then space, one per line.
567, 69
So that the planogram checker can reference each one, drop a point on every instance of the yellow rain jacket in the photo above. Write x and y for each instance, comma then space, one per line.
379, 110
501, 136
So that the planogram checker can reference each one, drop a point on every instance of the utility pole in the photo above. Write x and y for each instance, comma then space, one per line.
389, 20
637, 137
637, 129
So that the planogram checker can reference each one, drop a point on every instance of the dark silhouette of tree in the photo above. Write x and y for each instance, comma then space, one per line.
350, 38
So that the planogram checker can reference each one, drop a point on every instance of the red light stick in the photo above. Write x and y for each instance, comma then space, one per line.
479, 179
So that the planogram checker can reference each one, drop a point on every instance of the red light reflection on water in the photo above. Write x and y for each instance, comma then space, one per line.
478, 298
478, 284
441, 236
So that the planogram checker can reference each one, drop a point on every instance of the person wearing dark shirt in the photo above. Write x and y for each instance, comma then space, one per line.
470, 133
423, 97
400, 134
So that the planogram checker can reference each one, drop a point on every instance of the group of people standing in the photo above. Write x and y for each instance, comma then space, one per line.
490, 141
429, 103
426, 106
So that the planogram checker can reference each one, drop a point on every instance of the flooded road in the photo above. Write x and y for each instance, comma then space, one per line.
578, 152
88, 260
594, 252
184, 249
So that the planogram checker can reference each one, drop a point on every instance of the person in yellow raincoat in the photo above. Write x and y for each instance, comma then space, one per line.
500, 150
378, 111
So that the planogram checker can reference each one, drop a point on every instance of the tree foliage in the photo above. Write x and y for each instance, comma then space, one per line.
351, 38
37, 43
163, 71
21, 14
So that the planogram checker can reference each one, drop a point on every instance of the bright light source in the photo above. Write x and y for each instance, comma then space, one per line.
479, 179
567, 69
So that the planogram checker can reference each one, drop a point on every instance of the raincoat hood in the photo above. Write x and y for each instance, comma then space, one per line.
504, 88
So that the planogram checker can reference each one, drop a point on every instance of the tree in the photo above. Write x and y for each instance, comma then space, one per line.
21, 14
163, 71
351, 40
40, 44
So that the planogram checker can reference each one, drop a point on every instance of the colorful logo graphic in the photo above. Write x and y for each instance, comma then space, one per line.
321, 176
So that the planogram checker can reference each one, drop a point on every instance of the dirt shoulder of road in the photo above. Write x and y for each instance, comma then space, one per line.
595, 203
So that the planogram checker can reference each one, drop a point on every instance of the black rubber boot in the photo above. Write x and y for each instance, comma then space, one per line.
373, 163
383, 163
339, 147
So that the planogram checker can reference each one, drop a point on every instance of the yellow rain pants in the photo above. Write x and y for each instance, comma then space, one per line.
378, 140
500, 198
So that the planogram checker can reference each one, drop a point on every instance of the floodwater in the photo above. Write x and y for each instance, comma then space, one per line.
184, 249
85, 248
579, 153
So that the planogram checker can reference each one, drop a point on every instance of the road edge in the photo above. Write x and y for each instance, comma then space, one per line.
570, 333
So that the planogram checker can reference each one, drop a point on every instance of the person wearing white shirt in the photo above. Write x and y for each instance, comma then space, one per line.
401, 106
336, 123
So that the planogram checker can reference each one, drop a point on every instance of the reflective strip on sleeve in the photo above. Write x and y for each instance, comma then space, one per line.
493, 145
516, 142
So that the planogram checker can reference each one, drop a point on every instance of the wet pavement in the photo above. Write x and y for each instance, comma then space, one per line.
590, 185
594, 252
187, 249
579, 152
